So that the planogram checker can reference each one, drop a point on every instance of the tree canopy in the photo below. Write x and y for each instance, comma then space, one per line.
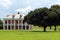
1, 24
44, 16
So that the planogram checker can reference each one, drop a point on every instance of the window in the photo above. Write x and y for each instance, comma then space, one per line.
19, 21
16, 21
9, 21
12, 21
5, 21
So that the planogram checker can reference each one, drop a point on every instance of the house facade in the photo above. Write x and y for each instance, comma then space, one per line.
15, 22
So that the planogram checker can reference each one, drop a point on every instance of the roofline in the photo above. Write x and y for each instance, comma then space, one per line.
12, 19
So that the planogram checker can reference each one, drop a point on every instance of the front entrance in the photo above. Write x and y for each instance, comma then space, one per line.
19, 27
23, 27
9, 27
16, 27
12, 27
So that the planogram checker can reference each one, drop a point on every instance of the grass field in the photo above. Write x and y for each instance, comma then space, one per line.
29, 35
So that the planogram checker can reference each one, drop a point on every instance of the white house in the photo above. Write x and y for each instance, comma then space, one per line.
15, 22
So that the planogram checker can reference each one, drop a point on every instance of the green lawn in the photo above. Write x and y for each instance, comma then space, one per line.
29, 35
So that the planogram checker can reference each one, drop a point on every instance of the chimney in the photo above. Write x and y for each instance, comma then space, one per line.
13, 16
7, 15
18, 12
20, 16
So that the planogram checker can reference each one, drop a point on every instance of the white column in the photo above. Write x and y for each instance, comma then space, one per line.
18, 24
14, 24
21, 21
3, 24
11, 24
25, 27
7, 24
21, 26
29, 27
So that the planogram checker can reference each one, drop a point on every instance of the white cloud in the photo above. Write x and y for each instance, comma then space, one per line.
24, 6
27, 2
58, 2
5, 3
4, 14
25, 10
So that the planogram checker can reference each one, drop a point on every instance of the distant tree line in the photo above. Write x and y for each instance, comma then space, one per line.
1, 24
44, 17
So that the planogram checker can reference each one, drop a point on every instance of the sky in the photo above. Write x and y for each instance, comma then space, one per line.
8, 7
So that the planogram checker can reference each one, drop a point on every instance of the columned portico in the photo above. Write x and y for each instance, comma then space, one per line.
21, 26
25, 27
7, 24
15, 22
4, 24
11, 25
18, 24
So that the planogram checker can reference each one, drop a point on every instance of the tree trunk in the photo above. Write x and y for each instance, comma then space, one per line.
55, 27
50, 27
44, 28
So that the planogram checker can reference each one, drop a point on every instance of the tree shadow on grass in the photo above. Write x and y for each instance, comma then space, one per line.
36, 31
43, 31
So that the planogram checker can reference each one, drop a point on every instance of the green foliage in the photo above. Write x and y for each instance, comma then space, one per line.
1, 24
44, 16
